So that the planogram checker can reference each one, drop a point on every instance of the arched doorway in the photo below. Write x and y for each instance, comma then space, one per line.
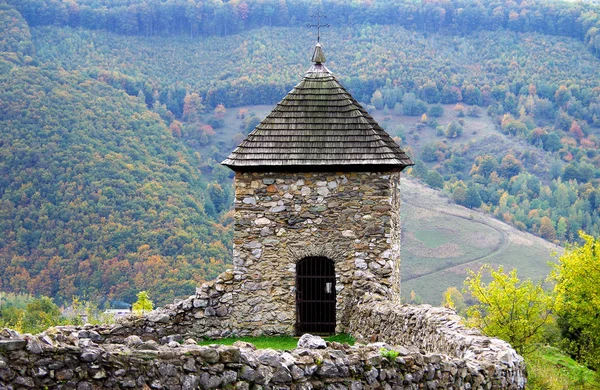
315, 296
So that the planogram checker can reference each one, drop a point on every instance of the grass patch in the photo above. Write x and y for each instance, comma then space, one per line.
276, 342
433, 238
551, 369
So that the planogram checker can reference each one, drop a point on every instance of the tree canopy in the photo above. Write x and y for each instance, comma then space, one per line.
578, 299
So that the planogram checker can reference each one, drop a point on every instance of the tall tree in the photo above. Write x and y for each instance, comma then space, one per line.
578, 299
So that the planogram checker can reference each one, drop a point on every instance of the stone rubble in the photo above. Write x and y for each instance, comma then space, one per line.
311, 342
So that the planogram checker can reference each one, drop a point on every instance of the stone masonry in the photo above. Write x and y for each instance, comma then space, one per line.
158, 351
433, 350
280, 218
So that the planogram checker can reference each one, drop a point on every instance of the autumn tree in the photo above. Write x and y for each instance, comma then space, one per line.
192, 107
219, 111
562, 96
547, 230
510, 166
434, 179
459, 109
578, 299
436, 110
472, 198
484, 165
175, 128
472, 95
451, 95
412, 106
576, 131
430, 93
459, 193
508, 308
454, 130
377, 100
419, 169
454, 299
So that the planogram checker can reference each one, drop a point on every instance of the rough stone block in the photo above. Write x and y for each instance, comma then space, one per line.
12, 345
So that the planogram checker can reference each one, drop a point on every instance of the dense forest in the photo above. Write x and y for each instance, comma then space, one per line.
97, 198
197, 18
112, 121
539, 89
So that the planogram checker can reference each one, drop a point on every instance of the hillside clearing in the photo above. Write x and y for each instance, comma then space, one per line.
429, 219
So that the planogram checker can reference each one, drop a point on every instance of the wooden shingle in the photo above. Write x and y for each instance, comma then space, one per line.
318, 126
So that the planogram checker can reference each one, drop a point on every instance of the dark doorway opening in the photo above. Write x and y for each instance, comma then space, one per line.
315, 296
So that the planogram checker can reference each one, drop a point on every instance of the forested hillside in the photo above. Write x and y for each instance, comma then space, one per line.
113, 116
539, 89
97, 198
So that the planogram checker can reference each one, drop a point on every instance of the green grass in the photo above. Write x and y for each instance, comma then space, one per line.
551, 369
433, 238
276, 342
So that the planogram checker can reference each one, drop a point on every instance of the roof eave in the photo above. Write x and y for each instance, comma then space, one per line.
326, 167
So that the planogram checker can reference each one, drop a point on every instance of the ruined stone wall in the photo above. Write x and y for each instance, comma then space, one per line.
82, 358
207, 314
157, 351
350, 218
438, 330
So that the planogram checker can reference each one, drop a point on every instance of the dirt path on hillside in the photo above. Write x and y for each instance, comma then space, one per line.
417, 195
497, 249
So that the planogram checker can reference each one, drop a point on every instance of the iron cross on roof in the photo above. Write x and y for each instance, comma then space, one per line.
318, 15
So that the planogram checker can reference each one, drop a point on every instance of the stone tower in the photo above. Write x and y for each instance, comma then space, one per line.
317, 211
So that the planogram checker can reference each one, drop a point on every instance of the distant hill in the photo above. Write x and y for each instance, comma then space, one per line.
97, 198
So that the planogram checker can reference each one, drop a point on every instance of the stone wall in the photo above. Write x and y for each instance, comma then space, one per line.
156, 351
439, 330
82, 358
207, 314
350, 218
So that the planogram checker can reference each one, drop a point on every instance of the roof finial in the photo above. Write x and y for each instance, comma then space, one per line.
318, 15
318, 55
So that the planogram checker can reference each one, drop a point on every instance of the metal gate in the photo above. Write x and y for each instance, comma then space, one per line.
315, 296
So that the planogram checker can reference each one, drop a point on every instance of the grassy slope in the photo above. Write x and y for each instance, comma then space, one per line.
550, 369
441, 240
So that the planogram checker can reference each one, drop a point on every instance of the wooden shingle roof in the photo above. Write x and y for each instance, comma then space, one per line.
318, 126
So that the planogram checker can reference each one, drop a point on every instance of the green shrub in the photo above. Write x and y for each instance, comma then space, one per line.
389, 354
